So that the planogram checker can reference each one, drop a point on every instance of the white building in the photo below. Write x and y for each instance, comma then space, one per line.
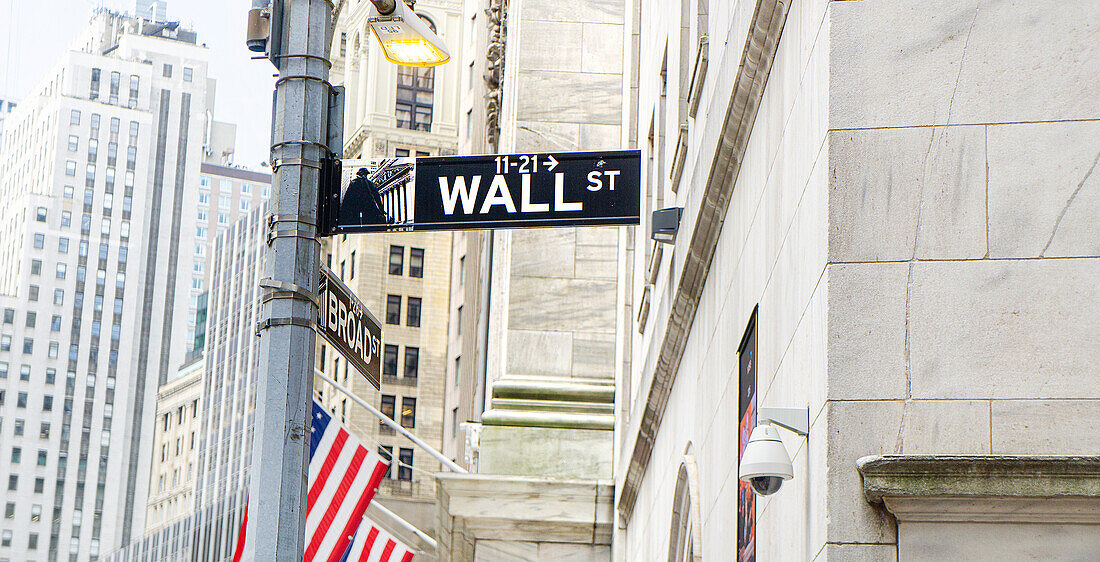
885, 225
96, 241
207, 530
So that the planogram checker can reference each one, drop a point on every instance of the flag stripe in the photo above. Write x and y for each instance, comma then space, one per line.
326, 468
386, 552
371, 537
408, 557
360, 507
334, 507
238, 552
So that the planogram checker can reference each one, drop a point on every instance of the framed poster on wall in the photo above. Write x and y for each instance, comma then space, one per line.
746, 402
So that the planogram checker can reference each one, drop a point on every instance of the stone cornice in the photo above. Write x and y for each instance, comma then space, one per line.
1008, 477
518, 508
751, 71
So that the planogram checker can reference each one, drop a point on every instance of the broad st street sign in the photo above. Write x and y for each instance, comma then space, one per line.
347, 324
481, 192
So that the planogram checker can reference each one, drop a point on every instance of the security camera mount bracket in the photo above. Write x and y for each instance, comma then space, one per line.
794, 419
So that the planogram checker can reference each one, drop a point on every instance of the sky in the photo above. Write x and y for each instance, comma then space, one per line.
34, 34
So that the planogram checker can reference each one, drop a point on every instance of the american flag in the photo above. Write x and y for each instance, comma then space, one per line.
343, 476
373, 544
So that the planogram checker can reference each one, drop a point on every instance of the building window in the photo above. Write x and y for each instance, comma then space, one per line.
404, 472
388, 403
412, 361
351, 272
9, 315
415, 86
462, 270
458, 321
74, 143
343, 44
416, 262
224, 203
393, 309
16, 455
412, 315
397, 260
167, 71
408, 412
389, 361
188, 73
454, 422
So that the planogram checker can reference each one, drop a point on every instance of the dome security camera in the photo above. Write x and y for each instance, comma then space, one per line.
765, 463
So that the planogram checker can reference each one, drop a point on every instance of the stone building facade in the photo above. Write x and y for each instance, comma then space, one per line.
895, 197
536, 336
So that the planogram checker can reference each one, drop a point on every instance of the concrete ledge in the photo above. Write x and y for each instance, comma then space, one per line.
972, 477
526, 509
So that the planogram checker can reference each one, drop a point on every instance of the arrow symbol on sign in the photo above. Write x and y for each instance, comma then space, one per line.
551, 164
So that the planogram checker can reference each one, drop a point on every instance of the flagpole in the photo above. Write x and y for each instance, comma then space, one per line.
394, 425
404, 524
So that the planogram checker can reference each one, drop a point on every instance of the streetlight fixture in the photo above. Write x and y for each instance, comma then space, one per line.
406, 38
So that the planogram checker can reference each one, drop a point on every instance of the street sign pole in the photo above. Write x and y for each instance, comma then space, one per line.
280, 456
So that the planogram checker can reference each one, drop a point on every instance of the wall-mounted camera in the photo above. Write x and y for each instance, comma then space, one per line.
765, 463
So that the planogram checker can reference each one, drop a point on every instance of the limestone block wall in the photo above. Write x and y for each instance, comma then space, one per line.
914, 213
554, 290
963, 259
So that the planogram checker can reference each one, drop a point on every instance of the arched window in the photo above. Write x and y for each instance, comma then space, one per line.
685, 542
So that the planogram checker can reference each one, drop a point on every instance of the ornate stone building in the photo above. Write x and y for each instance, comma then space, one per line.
886, 224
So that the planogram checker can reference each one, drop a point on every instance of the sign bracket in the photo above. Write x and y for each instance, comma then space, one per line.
282, 290
287, 321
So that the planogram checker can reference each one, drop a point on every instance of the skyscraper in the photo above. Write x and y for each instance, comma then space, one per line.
95, 261
205, 529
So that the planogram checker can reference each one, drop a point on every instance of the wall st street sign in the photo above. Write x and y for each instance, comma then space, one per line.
347, 324
481, 192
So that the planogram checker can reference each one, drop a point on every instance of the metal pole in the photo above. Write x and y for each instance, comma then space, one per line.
404, 524
396, 426
280, 454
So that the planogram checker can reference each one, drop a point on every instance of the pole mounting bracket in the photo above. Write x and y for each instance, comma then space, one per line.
288, 321
284, 290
